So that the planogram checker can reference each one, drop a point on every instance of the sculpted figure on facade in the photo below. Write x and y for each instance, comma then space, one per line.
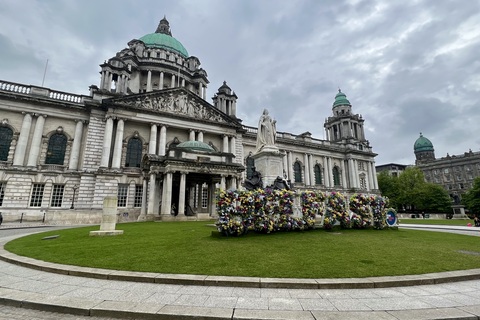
267, 130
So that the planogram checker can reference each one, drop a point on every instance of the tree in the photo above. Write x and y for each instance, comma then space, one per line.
388, 187
411, 184
433, 198
471, 198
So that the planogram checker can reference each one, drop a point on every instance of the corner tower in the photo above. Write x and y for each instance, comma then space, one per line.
423, 149
343, 124
225, 100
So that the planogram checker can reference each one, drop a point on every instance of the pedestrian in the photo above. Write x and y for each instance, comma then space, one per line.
1, 218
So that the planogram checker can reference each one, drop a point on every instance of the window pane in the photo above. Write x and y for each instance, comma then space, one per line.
57, 145
134, 153
204, 197
250, 165
57, 195
122, 195
37, 195
297, 172
138, 195
318, 174
6, 135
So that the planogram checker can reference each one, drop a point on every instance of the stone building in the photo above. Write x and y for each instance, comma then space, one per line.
455, 173
148, 135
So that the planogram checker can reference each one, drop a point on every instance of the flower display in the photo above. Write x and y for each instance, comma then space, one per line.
313, 204
379, 205
359, 205
335, 210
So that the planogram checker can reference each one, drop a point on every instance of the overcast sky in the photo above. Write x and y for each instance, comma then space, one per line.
406, 66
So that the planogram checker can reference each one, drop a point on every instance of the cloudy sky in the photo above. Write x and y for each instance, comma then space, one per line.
406, 66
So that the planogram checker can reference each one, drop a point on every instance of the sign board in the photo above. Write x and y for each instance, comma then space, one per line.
391, 218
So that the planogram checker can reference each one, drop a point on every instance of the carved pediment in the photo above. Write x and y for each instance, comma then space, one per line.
176, 101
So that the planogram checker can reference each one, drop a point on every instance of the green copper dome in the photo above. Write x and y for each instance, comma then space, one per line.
340, 99
423, 144
195, 146
162, 38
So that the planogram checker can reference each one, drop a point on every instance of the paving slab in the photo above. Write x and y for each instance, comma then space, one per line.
433, 314
272, 315
358, 315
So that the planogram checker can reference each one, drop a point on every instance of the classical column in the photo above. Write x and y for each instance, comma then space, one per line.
191, 135
19, 155
200, 91
285, 165
234, 108
355, 168
163, 140
370, 176
149, 81
204, 96
307, 170
222, 183
143, 211
181, 197
117, 150
183, 82
151, 194
77, 144
312, 174
330, 172
160, 86
326, 178
234, 183
172, 85
344, 174
110, 79
167, 194
374, 173
225, 143
233, 143
351, 173
152, 144
36, 141
200, 136
290, 167
107, 142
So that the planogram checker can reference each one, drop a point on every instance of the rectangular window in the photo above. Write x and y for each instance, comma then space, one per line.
122, 195
137, 202
2, 192
204, 197
57, 195
37, 195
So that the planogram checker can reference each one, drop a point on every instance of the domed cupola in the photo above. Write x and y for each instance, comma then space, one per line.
162, 38
225, 100
341, 100
423, 149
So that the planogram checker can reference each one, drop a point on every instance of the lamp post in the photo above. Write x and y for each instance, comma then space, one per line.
75, 187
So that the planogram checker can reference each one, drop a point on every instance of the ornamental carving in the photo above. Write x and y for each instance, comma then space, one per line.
181, 104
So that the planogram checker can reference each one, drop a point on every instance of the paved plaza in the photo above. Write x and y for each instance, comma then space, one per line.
105, 294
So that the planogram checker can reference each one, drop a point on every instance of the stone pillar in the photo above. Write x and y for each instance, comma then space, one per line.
36, 141
181, 197
290, 167
191, 135
200, 136
233, 143
355, 169
172, 85
109, 219
312, 174
152, 144
330, 172
285, 165
326, 178
110, 79
143, 210
234, 108
307, 170
117, 151
344, 173
183, 82
225, 143
351, 173
149, 81
167, 194
160, 86
234, 183
102, 80
200, 90
223, 183
77, 144
204, 96
163, 141
211, 196
151, 196
107, 143
374, 172
21, 147
370, 176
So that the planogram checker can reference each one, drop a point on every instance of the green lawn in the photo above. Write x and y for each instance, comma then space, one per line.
188, 247
450, 222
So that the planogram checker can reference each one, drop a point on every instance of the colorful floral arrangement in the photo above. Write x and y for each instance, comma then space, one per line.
335, 211
268, 210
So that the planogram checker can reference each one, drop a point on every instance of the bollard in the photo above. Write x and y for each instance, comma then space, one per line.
43, 220
21, 218
1, 218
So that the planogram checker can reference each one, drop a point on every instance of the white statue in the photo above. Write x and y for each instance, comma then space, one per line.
266, 131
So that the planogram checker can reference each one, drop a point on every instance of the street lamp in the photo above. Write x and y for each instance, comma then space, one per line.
75, 187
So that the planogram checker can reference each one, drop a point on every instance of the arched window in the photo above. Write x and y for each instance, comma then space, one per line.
317, 170
250, 164
57, 144
6, 135
134, 153
297, 171
336, 176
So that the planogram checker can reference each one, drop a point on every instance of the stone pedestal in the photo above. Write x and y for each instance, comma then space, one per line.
459, 211
269, 162
109, 219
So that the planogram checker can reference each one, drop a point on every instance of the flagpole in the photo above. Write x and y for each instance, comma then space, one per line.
44, 72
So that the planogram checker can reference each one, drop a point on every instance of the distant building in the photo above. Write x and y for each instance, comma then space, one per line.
148, 135
393, 169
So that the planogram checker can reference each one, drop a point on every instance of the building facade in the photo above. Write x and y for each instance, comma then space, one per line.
147, 135
454, 173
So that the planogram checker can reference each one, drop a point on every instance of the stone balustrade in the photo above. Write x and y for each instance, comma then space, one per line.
40, 91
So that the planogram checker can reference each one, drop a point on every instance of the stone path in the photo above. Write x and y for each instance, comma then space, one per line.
100, 293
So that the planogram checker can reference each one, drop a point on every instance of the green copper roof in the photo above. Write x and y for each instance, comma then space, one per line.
423, 144
195, 146
165, 41
340, 99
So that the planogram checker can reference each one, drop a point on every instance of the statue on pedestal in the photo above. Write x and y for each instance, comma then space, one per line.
267, 131
255, 182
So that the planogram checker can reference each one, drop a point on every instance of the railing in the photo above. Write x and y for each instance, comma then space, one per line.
40, 91
53, 167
